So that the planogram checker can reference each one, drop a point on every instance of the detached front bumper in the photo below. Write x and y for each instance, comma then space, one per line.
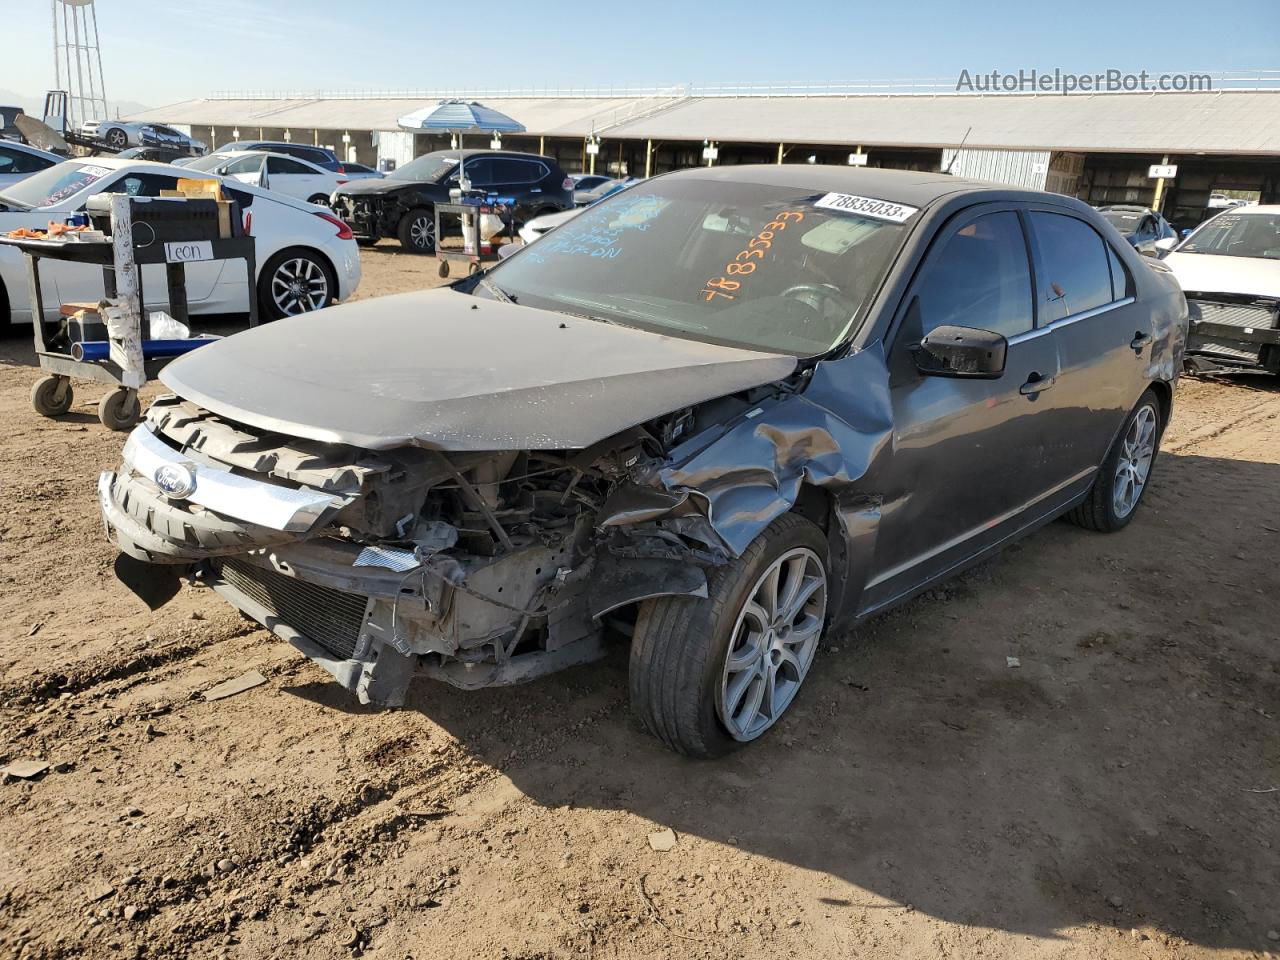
166, 507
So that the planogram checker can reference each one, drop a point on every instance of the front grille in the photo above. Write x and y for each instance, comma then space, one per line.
1232, 314
330, 617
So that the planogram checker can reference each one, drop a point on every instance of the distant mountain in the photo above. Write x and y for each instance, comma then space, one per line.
34, 103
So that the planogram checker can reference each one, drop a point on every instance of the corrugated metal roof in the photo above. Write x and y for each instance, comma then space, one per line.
1139, 123
1225, 122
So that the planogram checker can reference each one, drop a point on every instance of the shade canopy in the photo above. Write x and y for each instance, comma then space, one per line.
460, 116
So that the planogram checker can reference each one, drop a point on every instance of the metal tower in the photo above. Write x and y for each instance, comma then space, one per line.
77, 61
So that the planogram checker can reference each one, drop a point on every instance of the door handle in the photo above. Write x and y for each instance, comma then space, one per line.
1139, 341
1035, 384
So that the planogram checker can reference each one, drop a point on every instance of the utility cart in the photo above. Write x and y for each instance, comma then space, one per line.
468, 215
110, 342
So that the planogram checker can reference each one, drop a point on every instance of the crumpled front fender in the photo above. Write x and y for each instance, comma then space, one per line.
828, 435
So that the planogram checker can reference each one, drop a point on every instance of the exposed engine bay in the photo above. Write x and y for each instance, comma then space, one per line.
474, 568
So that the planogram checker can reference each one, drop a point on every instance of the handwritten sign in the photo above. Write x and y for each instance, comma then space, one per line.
748, 259
190, 251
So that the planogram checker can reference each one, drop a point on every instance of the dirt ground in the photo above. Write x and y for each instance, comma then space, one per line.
1113, 796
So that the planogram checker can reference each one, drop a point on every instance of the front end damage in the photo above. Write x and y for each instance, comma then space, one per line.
502, 557
474, 568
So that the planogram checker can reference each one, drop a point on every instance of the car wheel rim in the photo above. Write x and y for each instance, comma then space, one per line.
299, 286
116, 138
422, 232
773, 643
1137, 450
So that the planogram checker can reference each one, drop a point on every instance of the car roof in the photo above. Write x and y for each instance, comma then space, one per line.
469, 153
245, 144
913, 187
1249, 209
255, 153
142, 166
1131, 207
28, 148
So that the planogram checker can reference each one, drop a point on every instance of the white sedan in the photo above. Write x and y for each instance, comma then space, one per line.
1229, 269
18, 161
306, 257
288, 175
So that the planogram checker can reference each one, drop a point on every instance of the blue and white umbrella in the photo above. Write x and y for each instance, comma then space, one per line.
460, 116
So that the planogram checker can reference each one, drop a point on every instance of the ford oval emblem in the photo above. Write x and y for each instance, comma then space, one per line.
175, 480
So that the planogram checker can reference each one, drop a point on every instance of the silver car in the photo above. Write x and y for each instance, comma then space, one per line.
119, 134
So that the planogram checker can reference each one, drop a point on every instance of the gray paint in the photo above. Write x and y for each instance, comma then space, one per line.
443, 370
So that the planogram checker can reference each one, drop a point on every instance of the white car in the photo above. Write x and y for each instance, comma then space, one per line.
544, 224
1229, 270
18, 161
306, 257
287, 175
119, 134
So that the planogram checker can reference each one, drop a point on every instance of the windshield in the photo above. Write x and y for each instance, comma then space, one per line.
1237, 235
1126, 221
428, 167
207, 163
763, 267
54, 184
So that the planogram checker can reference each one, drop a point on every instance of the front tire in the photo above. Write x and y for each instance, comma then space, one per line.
417, 231
1125, 472
117, 139
295, 281
708, 676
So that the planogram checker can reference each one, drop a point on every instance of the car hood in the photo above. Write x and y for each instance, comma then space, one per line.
1206, 273
383, 185
447, 371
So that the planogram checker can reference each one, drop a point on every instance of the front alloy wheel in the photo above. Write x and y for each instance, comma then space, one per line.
710, 675
417, 231
774, 640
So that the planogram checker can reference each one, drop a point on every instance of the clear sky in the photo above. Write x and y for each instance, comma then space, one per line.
159, 52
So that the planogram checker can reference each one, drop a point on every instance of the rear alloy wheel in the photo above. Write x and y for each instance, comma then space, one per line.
1122, 479
295, 282
321, 200
417, 231
709, 675
117, 139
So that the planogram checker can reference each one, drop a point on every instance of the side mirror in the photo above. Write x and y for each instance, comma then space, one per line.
962, 352
1166, 244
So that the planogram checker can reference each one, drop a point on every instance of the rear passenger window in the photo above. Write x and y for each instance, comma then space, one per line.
513, 171
1121, 281
980, 278
1076, 264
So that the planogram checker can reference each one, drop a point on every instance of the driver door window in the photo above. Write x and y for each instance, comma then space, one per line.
979, 278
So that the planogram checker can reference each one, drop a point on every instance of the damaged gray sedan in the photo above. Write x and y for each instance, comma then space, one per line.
726, 411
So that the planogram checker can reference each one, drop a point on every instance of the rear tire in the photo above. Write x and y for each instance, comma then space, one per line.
1125, 474
320, 200
417, 231
366, 241
295, 281
707, 676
